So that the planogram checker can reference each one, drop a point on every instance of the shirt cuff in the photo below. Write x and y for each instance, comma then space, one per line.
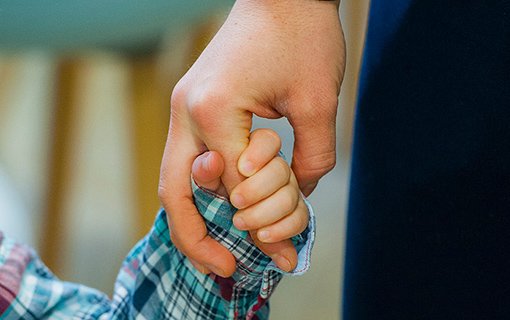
256, 276
218, 212
157, 279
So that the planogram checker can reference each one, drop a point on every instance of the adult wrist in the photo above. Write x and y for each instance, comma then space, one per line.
277, 4
288, 11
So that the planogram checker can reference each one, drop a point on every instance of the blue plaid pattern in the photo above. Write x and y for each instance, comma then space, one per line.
155, 281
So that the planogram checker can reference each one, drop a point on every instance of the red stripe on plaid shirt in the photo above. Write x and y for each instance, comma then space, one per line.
11, 273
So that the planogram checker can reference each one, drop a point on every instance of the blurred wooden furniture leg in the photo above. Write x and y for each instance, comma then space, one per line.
151, 111
53, 229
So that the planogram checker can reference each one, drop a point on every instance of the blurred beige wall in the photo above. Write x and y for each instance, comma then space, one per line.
26, 97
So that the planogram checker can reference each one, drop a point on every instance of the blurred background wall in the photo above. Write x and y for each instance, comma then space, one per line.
84, 107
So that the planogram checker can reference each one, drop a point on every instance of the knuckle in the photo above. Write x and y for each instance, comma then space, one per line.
203, 107
175, 241
304, 217
297, 225
288, 204
289, 199
163, 192
244, 189
316, 166
327, 162
183, 246
282, 166
302, 225
199, 102
179, 94
280, 233
250, 220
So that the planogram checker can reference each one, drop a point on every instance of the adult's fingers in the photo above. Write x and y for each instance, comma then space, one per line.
314, 146
264, 146
187, 228
206, 170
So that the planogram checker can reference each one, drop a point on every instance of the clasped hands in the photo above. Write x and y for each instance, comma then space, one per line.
271, 58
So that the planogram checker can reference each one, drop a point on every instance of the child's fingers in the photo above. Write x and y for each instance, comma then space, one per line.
264, 146
286, 228
268, 180
283, 253
207, 170
269, 210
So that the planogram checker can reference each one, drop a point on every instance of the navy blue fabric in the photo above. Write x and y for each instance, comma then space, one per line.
429, 213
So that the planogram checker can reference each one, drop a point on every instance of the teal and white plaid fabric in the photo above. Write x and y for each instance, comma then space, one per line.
155, 281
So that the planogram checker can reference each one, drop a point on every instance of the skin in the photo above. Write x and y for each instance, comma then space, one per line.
287, 215
271, 58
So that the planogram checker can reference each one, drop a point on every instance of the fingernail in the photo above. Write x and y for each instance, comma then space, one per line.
263, 235
216, 270
247, 168
239, 223
207, 161
282, 262
237, 200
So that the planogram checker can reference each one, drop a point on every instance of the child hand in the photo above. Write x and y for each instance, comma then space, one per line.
271, 206
269, 200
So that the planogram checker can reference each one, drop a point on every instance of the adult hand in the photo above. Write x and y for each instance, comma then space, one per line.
271, 58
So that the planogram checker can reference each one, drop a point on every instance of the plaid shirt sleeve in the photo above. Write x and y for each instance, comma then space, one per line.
155, 281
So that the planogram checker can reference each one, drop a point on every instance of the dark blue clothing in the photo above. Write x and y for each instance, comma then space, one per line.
428, 233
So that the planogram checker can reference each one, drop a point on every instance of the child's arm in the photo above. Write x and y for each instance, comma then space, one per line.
156, 281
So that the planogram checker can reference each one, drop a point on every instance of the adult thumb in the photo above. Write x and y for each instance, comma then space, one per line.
314, 149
